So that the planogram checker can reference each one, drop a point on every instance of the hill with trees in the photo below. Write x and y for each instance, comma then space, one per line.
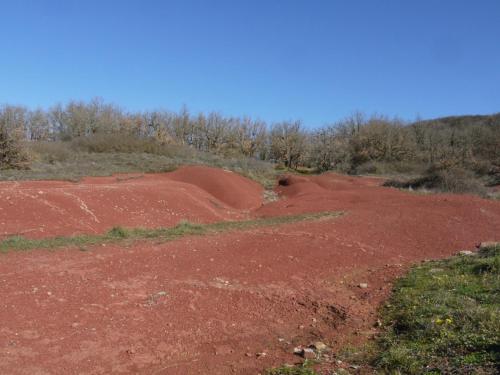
466, 147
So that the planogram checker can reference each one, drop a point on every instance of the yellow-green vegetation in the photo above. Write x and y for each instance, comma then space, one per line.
165, 234
444, 318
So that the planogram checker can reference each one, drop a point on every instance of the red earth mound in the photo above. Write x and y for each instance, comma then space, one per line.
295, 186
234, 190
198, 194
213, 304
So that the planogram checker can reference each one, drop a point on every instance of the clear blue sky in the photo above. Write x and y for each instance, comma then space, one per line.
316, 61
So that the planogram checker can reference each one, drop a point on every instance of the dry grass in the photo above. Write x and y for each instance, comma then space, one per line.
106, 155
449, 180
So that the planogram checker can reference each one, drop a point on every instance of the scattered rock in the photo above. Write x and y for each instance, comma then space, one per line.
308, 353
354, 367
220, 282
319, 346
363, 285
378, 323
466, 253
223, 350
261, 354
297, 351
270, 196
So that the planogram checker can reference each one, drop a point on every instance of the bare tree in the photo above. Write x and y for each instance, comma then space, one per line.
287, 143
249, 136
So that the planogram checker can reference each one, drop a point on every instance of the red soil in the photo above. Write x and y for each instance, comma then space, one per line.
234, 190
223, 298
198, 194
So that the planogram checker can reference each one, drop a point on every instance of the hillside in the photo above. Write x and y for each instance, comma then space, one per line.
458, 154
465, 120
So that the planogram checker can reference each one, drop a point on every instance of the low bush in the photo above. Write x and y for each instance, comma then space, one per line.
369, 167
458, 180
13, 152
51, 152
494, 175
407, 168
448, 180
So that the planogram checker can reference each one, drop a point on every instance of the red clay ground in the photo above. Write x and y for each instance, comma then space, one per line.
198, 194
209, 304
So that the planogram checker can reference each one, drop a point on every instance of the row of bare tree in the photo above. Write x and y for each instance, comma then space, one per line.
345, 145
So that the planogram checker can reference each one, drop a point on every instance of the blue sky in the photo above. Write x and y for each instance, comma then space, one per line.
316, 61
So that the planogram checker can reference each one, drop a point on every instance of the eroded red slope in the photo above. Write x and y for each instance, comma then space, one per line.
197, 194
234, 190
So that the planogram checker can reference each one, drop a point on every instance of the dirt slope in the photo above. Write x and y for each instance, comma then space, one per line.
234, 190
197, 194
209, 304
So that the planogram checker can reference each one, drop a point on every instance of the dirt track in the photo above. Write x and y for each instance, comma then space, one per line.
209, 304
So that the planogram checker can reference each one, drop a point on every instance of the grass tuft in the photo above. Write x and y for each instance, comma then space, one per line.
302, 369
184, 228
118, 232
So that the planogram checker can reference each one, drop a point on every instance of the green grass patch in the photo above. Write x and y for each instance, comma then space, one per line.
302, 369
18, 243
444, 318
